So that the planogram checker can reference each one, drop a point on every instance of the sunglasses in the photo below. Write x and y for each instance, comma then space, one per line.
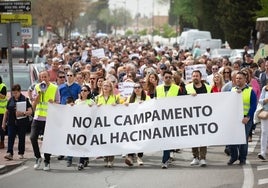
226, 72
137, 87
85, 90
61, 77
69, 75
92, 78
168, 77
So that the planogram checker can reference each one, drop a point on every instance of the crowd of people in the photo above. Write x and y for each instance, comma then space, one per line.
88, 71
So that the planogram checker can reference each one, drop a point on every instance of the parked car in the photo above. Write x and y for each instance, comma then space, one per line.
32, 51
237, 54
23, 74
220, 53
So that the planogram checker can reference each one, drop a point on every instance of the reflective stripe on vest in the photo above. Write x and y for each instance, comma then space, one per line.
3, 102
190, 88
172, 92
42, 106
246, 99
112, 99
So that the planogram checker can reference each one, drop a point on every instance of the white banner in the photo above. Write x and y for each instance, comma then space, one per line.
125, 88
190, 68
154, 125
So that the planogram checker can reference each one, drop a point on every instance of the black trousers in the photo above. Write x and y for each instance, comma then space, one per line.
38, 128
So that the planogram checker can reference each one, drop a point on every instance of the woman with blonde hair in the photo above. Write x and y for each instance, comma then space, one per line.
107, 97
217, 83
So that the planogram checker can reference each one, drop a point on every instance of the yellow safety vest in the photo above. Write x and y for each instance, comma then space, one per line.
190, 88
49, 94
3, 102
172, 92
112, 99
246, 93
136, 100
87, 101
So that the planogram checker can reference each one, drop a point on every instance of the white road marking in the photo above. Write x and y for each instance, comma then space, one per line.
17, 170
262, 167
263, 181
248, 176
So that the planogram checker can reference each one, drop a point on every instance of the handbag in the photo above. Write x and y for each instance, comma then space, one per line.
263, 115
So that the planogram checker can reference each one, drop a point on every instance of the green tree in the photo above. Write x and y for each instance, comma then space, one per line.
118, 18
237, 21
92, 15
264, 10
57, 13
168, 31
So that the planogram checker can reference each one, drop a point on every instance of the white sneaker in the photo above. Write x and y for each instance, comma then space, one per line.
195, 162
164, 165
139, 161
37, 163
203, 163
21, 156
46, 167
110, 164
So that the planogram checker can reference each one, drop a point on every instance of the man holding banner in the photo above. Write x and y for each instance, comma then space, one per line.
44, 93
198, 87
167, 89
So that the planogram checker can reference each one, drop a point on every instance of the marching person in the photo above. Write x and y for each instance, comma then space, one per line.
44, 93
194, 88
3, 104
17, 121
138, 96
264, 123
107, 97
239, 152
167, 89
85, 99
69, 89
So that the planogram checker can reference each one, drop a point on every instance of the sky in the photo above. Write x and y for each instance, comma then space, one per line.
144, 7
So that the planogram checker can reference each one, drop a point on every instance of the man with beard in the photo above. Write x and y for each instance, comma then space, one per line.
239, 152
194, 88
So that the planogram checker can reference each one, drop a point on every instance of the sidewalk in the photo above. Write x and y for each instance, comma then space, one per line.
7, 165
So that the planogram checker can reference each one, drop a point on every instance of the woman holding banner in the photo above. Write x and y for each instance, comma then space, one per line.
85, 99
107, 97
138, 96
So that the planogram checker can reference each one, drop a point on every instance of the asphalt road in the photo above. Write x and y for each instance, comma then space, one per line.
179, 174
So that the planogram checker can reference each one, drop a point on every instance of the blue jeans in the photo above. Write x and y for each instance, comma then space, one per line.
166, 156
13, 130
240, 152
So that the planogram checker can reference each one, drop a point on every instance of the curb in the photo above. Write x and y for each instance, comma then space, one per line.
7, 168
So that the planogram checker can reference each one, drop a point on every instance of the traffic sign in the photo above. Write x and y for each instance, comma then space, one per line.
15, 6
24, 19
26, 32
